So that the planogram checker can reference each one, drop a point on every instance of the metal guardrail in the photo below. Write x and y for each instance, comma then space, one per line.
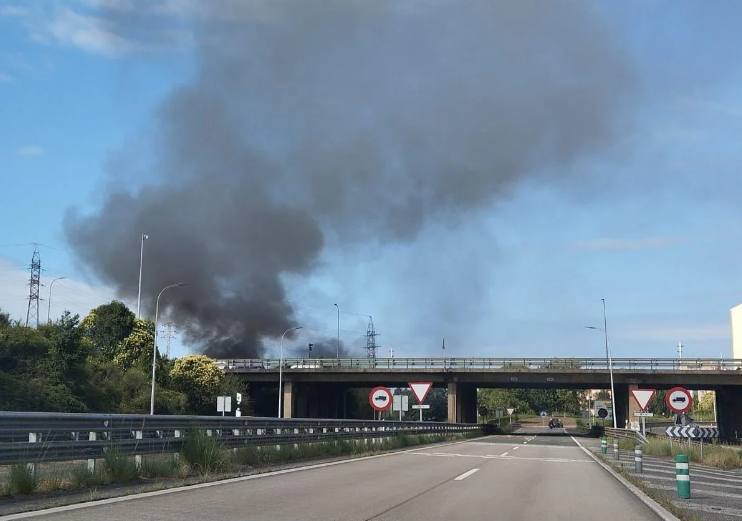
515, 364
49, 437
626, 433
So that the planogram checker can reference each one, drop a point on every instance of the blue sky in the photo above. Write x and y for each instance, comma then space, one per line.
652, 225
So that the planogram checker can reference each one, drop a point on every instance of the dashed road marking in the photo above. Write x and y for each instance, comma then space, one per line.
504, 454
465, 475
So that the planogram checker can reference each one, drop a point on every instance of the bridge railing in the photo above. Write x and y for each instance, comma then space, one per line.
509, 364
49, 437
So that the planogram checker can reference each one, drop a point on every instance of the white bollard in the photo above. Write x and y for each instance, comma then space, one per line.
138, 457
32, 438
92, 436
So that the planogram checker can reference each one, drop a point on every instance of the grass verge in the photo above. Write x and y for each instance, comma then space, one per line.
713, 456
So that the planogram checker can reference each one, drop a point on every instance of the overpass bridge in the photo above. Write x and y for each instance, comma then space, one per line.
317, 387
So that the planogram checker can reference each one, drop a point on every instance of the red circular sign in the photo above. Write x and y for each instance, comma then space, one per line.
678, 400
380, 398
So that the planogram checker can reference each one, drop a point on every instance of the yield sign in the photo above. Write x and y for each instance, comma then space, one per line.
420, 390
510, 411
643, 397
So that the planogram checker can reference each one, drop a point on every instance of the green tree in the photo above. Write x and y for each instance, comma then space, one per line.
707, 402
136, 349
108, 325
658, 405
198, 378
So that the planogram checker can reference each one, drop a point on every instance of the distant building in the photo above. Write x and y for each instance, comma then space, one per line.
735, 317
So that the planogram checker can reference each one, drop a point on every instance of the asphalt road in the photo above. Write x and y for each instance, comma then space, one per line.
517, 477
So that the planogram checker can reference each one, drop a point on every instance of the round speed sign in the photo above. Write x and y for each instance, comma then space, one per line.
380, 398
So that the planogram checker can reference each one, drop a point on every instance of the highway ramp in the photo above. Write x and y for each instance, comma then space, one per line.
518, 477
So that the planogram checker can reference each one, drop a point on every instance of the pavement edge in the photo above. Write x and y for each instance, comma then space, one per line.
658, 509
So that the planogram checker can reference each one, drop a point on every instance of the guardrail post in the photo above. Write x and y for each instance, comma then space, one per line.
92, 436
603, 445
682, 476
138, 457
638, 459
615, 448
33, 437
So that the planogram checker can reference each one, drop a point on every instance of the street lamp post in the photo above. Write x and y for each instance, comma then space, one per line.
141, 262
604, 329
338, 340
49, 309
154, 350
280, 373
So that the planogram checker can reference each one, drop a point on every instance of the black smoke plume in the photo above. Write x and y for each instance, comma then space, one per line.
339, 122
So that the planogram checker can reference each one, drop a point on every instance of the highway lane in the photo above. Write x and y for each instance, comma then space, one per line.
521, 477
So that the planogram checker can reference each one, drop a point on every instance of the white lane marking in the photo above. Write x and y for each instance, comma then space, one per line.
516, 447
722, 511
504, 454
500, 456
696, 489
466, 474
525, 442
696, 482
230, 481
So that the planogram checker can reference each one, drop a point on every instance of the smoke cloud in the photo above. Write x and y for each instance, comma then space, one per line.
334, 123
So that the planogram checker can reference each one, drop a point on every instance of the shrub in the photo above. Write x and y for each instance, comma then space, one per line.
203, 453
118, 467
21, 480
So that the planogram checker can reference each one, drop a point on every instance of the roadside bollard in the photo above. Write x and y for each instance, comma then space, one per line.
638, 459
682, 476
615, 448
603, 445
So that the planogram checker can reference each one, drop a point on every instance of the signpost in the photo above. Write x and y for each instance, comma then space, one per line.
679, 400
237, 411
511, 410
420, 390
543, 416
401, 404
643, 397
603, 410
380, 399
223, 404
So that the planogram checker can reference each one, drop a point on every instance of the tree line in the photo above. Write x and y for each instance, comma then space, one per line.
103, 363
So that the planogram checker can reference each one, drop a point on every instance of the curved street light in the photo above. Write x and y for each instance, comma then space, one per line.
49, 309
280, 373
154, 350
604, 329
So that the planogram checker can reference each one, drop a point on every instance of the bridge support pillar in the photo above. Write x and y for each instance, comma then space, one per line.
288, 399
729, 412
462, 403
621, 405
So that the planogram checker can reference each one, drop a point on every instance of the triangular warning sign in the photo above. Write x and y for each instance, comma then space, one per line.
420, 390
643, 397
